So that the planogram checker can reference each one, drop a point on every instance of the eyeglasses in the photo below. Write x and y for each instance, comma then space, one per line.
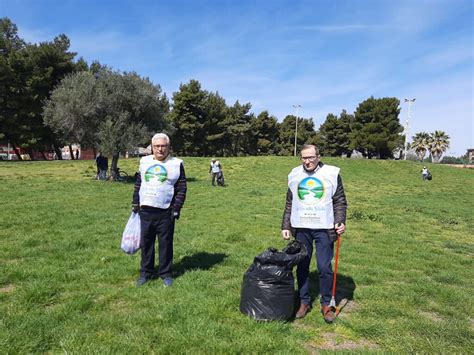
160, 146
309, 158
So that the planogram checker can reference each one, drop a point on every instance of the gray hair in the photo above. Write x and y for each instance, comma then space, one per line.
309, 146
160, 136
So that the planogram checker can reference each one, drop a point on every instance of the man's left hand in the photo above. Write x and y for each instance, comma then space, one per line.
340, 228
175, 215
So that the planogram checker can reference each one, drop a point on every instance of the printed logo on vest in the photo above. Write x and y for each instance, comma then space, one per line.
310, 190
156, 174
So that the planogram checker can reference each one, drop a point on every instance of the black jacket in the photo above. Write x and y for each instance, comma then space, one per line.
339, 203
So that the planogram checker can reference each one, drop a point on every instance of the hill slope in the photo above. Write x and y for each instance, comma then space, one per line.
405, 263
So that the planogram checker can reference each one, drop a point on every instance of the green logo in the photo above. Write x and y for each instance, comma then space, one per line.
156, 174
310, 190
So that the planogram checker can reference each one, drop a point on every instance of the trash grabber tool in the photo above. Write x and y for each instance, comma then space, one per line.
332, 303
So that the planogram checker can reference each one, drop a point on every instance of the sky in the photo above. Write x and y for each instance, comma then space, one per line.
325, 55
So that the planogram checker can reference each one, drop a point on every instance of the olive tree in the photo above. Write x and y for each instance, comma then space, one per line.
108, 110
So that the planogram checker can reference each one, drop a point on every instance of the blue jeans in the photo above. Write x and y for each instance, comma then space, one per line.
324, 254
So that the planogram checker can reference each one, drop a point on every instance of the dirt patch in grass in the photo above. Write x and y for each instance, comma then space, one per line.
333, 341
435, 317
347, 307
10, 261
7, 289
120, 307
467, 166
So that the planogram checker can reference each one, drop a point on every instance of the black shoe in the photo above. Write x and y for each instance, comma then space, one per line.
142, 280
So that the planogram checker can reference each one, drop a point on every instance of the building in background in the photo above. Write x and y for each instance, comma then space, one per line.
470, 155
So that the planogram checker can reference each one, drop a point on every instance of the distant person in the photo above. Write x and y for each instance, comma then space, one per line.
102, 166
159, 194
77, 154
425, 173
315, 212
215, 169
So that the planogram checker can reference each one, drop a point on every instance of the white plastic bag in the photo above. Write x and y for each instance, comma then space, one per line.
131, 235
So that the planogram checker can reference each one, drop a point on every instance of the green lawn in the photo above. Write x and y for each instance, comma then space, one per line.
406, 262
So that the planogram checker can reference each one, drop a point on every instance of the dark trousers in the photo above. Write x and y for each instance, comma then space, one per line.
324, 254
214, 177
158, 224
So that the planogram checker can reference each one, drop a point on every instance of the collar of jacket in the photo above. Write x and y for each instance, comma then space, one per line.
319, 166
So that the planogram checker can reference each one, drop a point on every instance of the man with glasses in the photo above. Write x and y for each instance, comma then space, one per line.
315, 212
159, 194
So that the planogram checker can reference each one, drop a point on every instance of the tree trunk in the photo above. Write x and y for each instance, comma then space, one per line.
59, 153
113, 166
71, 152
95, 152
44, 155
18, 155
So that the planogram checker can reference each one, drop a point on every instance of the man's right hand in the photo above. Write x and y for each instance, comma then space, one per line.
286, 234
135, 208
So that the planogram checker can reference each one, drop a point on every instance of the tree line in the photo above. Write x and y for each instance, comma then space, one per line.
49, 100
28, 74
435, 144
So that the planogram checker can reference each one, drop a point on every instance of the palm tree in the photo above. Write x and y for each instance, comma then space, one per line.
439, 144
420, 144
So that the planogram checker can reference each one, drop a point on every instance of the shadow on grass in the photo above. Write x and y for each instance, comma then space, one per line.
127, 180
344, 291
345, 287
198, 261
123, 179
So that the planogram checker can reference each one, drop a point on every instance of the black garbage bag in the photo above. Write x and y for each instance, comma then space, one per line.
429, 177
268, 287
220, 178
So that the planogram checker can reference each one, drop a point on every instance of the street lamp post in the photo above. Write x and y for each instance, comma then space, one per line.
297, 107
410, 101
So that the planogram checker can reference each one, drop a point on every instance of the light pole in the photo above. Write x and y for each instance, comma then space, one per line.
407, 127
297, 107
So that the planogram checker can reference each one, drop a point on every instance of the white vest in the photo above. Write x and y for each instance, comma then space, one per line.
312, 197
215, 168
158, 179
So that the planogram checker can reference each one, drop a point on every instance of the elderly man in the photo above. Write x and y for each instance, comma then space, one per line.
316, 212
215, 170
159, 194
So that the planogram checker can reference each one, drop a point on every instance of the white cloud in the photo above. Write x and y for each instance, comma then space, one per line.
444, 104
446, 55
35, 35
344, 28
98, 43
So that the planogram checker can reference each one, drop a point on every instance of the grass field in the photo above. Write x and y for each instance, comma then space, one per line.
406, 262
